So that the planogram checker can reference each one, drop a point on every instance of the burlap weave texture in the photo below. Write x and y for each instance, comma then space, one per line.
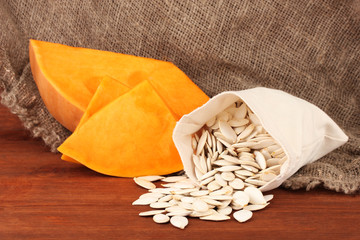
310, 49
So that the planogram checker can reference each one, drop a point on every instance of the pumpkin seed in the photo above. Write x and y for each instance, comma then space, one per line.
212, 186
268, 197
200, 206
206, 181
151, 213
245, 173
247, 131
145, 201
202, 214
241, 112
211, 122
174, 178
220, 180
179, 221
199, 193
272, 162
255, 195
230, 159
201, 142
161, 218
160, 205
219, 146
255, 182
242, 215
255, 207
227, 131
221, 197
144, 183
250, 168
152, 178
228, 168
267, 176
188, 199
194, 143
237, 184
165, 198
222, 191
211, 201
224, 204
228, 176
239, 130
215, 217
225, 211
260, 159
157, 195
238, 122
265, 153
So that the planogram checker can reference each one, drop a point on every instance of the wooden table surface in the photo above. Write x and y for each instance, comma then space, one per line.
43, 197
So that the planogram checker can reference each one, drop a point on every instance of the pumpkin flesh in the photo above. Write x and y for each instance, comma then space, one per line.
131, 136
67, 78
108, 90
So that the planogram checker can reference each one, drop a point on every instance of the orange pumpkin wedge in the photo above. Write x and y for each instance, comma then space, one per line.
108, 90
67, 78
131, 136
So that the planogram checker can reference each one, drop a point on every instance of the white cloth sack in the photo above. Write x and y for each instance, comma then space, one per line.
303, 130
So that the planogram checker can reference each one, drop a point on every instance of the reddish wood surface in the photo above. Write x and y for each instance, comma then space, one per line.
43, 197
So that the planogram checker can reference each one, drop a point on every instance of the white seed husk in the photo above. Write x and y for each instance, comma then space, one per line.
230, 159
145, 201
151, 213
211, 201
201, 142
200, 206
207, 181
220, 180
161, 218
151, 194
221, 197
255, 195
226, 210
228, 168
202, 214
254, 207
242, 215
165, 198
144, 183
237, 184
227, 131
268, 197
255, 182
215, 217
199, 193
247, 131
151, 178
267, 176
174, 178
160, 205
212, 186
228, 176
260, 159
179, 221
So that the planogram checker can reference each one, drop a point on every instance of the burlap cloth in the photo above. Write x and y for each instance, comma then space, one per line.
310, 49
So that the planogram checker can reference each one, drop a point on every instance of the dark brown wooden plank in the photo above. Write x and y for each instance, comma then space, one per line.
43, 197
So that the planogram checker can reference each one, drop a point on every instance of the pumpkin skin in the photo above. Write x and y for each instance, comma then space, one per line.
131, 136
108, 90
67, 78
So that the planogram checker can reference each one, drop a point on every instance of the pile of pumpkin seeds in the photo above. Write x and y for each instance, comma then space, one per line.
234, 148
233, 156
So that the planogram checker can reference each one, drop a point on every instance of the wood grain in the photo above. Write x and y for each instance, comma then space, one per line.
43, 197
